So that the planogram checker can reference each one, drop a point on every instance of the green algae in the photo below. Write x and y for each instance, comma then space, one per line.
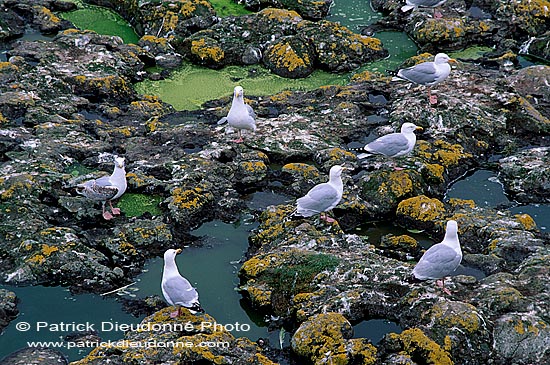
228, 7
471, 53
102, 21
134, 205
400, 47
190, 86
76, 169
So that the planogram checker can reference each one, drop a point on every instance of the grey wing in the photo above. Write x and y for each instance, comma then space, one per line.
424, 73
179, 291
319, 199
439, 261
250, 111
388, 145
100, 189
427, 3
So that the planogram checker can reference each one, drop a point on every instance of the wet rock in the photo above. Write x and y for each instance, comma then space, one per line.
8, 308
535, 47
289, 45
329, 335
312, 10
192, 338
35, 356
289, 57
412, 344
521, 339
485, 22
525, 175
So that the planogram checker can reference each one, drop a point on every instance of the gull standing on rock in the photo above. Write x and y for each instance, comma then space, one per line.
176, 289
322, 197
241, 115
415, 4
428, 73
106, 188
441, 259
393, 144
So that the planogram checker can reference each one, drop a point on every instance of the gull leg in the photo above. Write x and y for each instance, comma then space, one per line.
432, 98
176, 313
114, 210
240, 139
106, 215
441, 284
437, 14
326, 218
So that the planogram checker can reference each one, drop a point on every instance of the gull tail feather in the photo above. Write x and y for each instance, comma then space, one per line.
223, 120
406, 8
363, 155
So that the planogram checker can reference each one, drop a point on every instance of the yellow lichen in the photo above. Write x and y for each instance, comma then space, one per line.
464, 317
415, 342
285, 56
204, 52
422, 208
190, 198
398, 183
526, 221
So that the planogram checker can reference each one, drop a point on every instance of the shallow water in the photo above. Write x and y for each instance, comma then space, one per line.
52, 311
375, 329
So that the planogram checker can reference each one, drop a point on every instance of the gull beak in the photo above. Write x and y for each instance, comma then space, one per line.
419, 128
178, 251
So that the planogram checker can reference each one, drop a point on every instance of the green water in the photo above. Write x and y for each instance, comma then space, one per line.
47, 309
213, 269
190, 86
354, 14
102, 21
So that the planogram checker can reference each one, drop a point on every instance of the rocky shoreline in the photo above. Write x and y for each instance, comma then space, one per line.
67, 106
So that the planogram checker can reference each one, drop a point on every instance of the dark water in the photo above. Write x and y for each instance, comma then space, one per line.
375, 329
52, 311
484, 188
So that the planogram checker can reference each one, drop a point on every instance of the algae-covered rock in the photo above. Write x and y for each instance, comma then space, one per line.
290, 57
8, 308
413, 344
35, 356
521, 338
421, 210
526, 176
187, 338
328, 336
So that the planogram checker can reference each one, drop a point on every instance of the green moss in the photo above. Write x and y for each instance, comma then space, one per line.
224, 8
77, 169
134, 205
299, 269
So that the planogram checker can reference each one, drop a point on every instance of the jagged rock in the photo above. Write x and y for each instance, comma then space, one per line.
35, 356
193, 338
8, 307
526, 176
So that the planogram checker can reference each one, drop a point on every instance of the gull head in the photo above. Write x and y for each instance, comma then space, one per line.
336, 171
443, 58
238, 92
171, 253
410, 128
119, 162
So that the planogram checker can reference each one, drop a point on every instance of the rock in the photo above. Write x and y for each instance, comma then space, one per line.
289, 57
35, 356
312, 10
8, 308
193, 338
526, 176
521, 339
535, 47
288, 45
329, 335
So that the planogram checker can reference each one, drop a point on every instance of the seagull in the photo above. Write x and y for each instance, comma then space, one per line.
241, 115
322, 197
441, 259
176, 289
106, 188
393, 144
428, 73
415, 4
